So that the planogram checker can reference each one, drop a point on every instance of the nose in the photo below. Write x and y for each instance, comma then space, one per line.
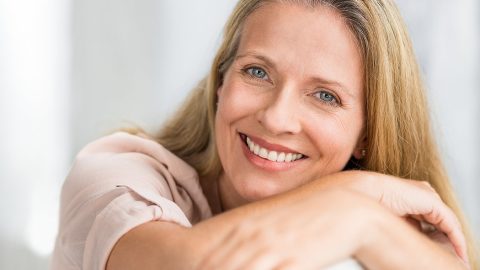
280, 114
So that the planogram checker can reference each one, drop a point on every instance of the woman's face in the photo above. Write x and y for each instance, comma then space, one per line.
291, 105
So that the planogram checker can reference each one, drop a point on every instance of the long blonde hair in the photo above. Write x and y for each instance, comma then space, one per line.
399, 136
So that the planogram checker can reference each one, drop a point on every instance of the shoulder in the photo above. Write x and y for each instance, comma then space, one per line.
120, 143
118, 182
124, 147
123, 159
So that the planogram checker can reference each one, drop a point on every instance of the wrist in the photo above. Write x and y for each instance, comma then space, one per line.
365, 182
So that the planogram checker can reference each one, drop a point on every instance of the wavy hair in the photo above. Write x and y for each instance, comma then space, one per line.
399, 136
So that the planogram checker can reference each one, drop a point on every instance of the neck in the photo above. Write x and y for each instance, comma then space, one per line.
229, 198
211, 191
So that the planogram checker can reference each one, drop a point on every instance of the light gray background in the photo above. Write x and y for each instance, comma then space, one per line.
71, 71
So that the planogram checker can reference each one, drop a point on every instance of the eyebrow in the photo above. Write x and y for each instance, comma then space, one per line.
258, 56
271, 63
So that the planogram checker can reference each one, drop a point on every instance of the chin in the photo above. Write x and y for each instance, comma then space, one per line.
257, 191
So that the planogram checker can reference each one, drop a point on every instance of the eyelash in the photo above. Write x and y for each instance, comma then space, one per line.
247, 72
334, 103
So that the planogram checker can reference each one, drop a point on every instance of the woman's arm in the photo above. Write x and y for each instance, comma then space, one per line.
166, 245
340, 224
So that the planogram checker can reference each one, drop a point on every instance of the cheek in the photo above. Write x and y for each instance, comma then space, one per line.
335, 135
237, 101
234, 105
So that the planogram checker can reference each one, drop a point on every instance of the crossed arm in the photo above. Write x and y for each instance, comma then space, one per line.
348, 214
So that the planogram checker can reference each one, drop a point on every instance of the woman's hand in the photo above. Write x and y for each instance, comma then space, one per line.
319, 231
315, 232
410, 199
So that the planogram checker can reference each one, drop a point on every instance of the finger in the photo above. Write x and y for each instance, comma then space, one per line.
441, 239
415, 223
445, 221
426, 203
427, 185
441, 217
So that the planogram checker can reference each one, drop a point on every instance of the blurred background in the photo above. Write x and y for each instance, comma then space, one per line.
71, 71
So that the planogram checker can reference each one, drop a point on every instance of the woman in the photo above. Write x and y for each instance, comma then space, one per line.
299, 94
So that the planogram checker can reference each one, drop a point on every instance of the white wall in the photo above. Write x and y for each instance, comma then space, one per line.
113, 65
34, 140
135, 61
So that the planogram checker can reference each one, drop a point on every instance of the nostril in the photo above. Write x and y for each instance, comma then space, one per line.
279, 120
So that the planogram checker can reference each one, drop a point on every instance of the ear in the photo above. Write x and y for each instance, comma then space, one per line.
361, 148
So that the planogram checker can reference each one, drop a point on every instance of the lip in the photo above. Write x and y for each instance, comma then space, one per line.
270, 146
266, 164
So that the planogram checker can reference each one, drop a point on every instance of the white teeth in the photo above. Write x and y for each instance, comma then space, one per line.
263, 153
272, 155
256, 149
250, 144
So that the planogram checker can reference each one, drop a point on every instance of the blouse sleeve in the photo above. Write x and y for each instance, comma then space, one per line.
116, 184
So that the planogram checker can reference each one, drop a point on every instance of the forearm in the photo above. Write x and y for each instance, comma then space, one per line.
171, 246
166, 245
223, 224
397, 246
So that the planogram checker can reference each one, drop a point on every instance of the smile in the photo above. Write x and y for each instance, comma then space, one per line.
268, 154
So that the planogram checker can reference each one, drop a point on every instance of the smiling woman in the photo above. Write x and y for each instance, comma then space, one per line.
300, 136
275, 93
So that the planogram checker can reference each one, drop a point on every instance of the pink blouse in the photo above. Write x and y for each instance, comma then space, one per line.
117, 183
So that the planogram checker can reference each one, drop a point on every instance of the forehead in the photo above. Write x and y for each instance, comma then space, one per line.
306, 41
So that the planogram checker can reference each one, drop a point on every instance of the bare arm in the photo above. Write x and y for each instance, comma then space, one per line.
169, 246
166, 245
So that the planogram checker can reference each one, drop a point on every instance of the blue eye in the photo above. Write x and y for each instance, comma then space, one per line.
257, 73
326, 97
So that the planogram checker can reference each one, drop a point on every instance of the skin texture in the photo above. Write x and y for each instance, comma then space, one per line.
304, 54
311, 206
